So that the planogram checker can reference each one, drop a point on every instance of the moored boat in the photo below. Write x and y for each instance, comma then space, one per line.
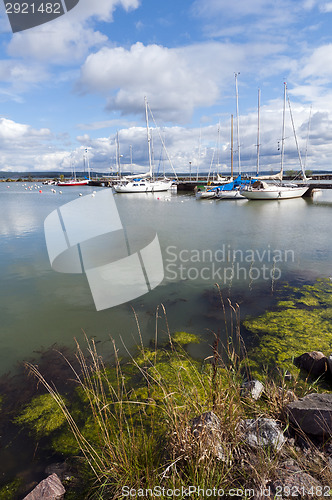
261, 190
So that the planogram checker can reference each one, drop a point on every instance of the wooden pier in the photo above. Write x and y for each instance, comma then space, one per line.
316, 186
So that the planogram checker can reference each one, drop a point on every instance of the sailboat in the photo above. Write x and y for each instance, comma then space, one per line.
210, 191
144, 183
232, 190
74, 181
261, 190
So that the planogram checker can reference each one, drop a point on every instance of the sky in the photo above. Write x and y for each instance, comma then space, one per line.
78, 81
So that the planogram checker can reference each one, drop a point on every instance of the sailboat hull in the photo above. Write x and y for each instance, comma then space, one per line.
274, 193
143, 187
73, 183
233, 194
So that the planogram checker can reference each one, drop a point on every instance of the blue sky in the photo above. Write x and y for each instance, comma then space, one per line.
76, 81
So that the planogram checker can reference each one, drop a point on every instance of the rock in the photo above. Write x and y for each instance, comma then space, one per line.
207, 429
50, 488
253, 388
263, 432
329, 364
313, 414
295, 483
315, 363
61, 469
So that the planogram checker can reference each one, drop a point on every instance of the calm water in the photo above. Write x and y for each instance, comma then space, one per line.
249, 248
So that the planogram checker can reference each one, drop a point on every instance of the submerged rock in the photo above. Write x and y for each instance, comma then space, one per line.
263, 432
50, 488
312, 414
315, 363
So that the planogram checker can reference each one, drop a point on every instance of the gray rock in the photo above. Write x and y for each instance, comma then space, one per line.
315, 363
207, 429
50, 488
263, 432
253, 388
312, 414
297, 483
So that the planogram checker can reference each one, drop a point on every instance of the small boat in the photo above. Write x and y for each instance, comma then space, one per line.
143, 186
74, 181
232, 190
261, 190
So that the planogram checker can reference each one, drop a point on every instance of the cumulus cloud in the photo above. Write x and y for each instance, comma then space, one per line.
176, 81
70, 37
64, 42
168, 77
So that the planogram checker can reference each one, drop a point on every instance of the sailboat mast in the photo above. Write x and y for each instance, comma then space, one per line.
87, 161
218, 148
308, 133
238, 124
258, 131
117, 150
296, 141
283, 131
148, 135
232, 146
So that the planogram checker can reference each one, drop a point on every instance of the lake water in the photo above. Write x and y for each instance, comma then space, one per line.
250, 248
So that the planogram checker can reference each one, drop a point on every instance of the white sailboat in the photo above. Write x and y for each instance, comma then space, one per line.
144, 183
278, 190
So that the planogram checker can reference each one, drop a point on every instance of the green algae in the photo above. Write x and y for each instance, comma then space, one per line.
10, 490
139, 382
301, 323
43, 415
184, 338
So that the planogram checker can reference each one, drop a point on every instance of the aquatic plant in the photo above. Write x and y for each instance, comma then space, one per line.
299, 324
42, 415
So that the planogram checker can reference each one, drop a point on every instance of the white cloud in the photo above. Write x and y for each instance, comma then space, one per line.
10, 130
64, 42
70, 37
19, 75
170, 78
319, 64
175, 81
326, 7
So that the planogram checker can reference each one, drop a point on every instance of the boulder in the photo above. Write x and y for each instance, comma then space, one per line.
263, 432
329, 364
295, 483
253, 388
315, 363
50, 488
312, 414
207, 429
